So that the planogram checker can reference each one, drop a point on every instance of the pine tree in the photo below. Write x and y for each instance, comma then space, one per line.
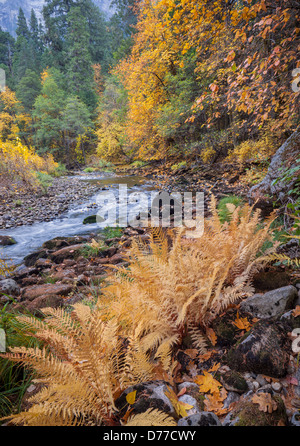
79, 69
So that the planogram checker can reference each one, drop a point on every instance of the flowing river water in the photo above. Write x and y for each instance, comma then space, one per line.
30, 238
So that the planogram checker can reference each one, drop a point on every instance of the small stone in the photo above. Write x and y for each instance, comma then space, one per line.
261, 380
255, 385
10, 287
276, 386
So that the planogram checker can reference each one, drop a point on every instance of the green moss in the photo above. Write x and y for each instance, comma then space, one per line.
249, 414
235, 381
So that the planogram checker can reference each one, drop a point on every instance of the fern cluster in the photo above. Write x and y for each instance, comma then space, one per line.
172, 285
170, 289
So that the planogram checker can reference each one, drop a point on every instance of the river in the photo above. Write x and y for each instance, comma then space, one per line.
30, 238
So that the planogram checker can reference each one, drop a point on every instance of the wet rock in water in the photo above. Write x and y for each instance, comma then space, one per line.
151, 394
200, 419
10, 287
47, 289
6, 240
90, 220
264, 349
270, 304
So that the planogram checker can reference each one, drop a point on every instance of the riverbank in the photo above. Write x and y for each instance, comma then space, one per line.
27, 208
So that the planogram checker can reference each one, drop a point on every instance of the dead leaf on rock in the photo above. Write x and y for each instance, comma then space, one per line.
296, 311
265, 402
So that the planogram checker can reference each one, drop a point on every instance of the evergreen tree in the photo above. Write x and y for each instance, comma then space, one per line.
28, 89
79, 69
24, 56
6, 53
55, 13
22, 27
76, 122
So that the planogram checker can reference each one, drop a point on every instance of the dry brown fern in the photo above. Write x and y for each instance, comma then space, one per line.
84, 365
152, 417
170, 287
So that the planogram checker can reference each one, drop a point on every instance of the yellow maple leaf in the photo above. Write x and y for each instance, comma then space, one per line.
207, 383
242, 323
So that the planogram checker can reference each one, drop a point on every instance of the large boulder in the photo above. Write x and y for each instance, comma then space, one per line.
47, 289
265, 350
285, 157
270, 304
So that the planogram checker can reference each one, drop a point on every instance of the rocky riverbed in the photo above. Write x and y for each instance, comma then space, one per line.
26, 208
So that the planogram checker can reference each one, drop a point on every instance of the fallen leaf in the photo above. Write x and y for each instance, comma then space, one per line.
180, 407
213, 403
265, 402
182, 392
130, 397
296, 311
242, 323
215, 367
211, 336
207, 383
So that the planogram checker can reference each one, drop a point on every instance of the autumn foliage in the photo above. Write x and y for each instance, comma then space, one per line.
197, 67
18, 161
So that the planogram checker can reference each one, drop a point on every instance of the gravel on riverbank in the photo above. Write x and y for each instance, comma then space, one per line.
26, 208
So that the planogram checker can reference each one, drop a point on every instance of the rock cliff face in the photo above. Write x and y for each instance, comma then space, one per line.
9, 10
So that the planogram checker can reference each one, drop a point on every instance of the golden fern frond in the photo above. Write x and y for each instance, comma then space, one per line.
152, 417
283, 258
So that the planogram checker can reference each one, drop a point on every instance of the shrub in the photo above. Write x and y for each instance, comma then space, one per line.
224, 206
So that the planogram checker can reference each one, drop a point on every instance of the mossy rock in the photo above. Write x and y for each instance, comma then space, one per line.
247, 413
90, 220
265, 349
225, 330
234, 382
271, 280
6, 240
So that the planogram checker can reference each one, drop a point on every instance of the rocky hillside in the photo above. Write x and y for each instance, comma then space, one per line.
9, 10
